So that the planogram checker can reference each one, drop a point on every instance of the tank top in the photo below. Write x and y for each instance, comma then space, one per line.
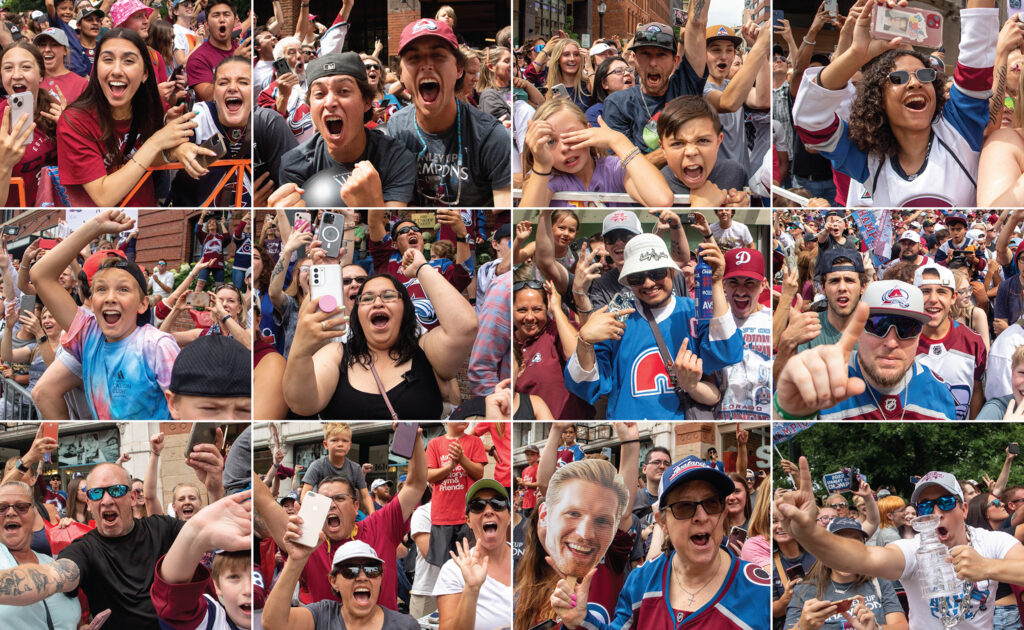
525, 411
416, 397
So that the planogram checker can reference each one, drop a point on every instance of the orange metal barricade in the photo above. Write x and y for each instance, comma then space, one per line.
18, 183
236, 169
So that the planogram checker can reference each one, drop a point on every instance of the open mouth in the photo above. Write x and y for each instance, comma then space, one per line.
109, 517
117, 88
942, 532
245, 608
18, 87
333, 520
188, 510
335, 125
843, 301
361, 595
413, 240
233, 104
571, 162
701, 541
651, 292
49, 56
722, 66
13, 526
299, 67
490, 528
580, 551
741, 303
429, 90
654, 78
915, 103
380, 320
111, 317
223, 30
693, 174
933, 311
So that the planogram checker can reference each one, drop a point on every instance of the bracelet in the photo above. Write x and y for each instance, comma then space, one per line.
548, 174
419, 269
579, 337
132, 158
633, 441
629, 157
809, 43
784, 414
225, 318
20, 465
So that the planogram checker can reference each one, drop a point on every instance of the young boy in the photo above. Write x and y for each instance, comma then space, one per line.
337, 442
211, 381
691, 134
569, 451
126, 363
454, 461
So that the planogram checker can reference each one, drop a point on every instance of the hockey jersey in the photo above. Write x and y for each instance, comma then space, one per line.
630, 370
948, 177
739, 604
746, 386
920, 396
959, 359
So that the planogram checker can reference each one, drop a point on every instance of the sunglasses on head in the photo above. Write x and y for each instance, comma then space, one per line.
370, 570
536, 285
906, 327
683, 510
476, 506
21, 508
901, 77
638, 278
115, 492
946, 503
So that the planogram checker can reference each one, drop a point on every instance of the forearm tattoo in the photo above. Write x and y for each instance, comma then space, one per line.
12, 583
996, 105
698, 7
278, 268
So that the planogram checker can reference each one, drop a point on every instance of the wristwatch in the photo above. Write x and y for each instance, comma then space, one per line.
21, 466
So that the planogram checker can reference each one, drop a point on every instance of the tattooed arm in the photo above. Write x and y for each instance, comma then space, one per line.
1008, 41
29, 583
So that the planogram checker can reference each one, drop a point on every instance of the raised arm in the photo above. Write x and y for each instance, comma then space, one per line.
566, 331
296, 240
153, 504
416, 481
544, 253
695, 36
447, 346
629, 465
278, 613
224, 524
549, 456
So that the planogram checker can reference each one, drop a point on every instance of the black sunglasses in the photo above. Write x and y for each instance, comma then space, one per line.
476, 506
617, 235
372, 66
638, 278
683, 510
21, 508
906, 327
527, 284
357, 280
900, 77
370, 570
407, 229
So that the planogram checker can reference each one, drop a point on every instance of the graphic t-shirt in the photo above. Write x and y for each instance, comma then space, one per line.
40, 152
879, 596
213, 246
71, 85
448, 503
736, 235
746, 386
734, 140
530, 494
123, 380
568, 455
958, 359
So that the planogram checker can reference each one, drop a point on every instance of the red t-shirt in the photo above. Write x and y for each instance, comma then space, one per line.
201, 63
82, 157
448, 502
502, 447
530, 496
71, 85
213, 247
544, 365
39, 153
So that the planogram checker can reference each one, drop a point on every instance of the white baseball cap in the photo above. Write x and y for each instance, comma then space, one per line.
645, 252
945, 278
599, 47
937, 478
355, 549
621, 220
894, 297
380, 482
910, 235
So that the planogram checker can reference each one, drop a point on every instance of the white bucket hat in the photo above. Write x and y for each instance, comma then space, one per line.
644, 252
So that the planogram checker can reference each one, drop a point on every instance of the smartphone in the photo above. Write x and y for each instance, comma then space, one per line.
325, 280
332, 226
854, 479
11, 230
795, 572
679, 18
687, 218
50, 429
22, 103
216, 144
832, 8
314, 513
259, 168
737, 536
27, 304
198, 300
98, 620
919, 27
281, 66
618, 303
560, 91
303, 222
201, 433
47, 243
1014, 448
405, 439
777, 17
843, 605
177, 71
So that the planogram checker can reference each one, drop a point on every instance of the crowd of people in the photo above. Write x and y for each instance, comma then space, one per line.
90, 334
407, 317
871, 120
341, 128
617, 325
109, 550
691, 101
900, 314
95, 96
433, 552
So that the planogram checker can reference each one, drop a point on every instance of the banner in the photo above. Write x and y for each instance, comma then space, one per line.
876, 229
839, 481
783, 431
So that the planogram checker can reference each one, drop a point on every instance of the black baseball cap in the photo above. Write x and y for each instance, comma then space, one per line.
214, 366
333, 64
827, 261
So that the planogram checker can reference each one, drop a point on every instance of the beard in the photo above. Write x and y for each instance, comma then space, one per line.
886, 381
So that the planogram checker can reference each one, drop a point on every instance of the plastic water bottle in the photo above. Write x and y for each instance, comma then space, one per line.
934, 571
702, 277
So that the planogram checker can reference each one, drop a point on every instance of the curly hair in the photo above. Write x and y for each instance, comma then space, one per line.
870, 129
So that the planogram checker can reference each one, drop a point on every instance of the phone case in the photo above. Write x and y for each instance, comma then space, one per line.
302, 222
216, 144
314, 513
332, 226
199, 300
201, 433
832, 7
281, 66
27, 304
325, 280
405, 439
22, 103
919, 27
50, 430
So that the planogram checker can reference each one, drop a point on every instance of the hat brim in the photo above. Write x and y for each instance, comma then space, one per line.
736, 41
721, 482
924, 318
652, 45
637, 267
863, 534
419, 36
921, 487
485, 484
740, 273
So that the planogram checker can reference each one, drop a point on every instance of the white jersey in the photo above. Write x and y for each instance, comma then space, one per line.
958, 359
746, 386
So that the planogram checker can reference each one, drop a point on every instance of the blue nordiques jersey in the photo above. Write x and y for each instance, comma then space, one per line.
742, 602
924, 397
631, 373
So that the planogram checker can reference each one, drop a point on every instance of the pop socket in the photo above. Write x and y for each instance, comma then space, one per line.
327, 303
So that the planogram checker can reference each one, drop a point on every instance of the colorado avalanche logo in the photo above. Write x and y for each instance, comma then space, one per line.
424, 25
896, 297
649, 377
536, 359
757, 575
424, 311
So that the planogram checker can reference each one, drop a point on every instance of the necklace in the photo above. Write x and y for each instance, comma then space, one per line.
841, 591
693, 595
878, 405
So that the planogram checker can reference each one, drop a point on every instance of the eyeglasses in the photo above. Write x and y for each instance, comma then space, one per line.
661, 463
946, 503
965, 291
20, 508
617, 235
536, 285
906, 327
385, 296
357, 280
304, 268
342, 498
839, 506
115, 492
351, 571
619, 71
683, 510
372, 66
900, 77
638, 278
825, 520
407, 229
476, 506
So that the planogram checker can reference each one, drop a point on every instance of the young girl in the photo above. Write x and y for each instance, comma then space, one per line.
565, 224
564, 153
126, 363
470, 76
110, 136
964, 310
214, 243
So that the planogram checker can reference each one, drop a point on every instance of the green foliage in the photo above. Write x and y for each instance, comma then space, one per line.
570, 22
889, 453
182, 272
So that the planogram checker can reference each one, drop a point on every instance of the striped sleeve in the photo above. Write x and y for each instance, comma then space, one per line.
820, 127
979, 29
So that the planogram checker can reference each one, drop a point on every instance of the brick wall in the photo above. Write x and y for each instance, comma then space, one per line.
622, 16
398, 17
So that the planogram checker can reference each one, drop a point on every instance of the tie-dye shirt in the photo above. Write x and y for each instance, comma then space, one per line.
124, 380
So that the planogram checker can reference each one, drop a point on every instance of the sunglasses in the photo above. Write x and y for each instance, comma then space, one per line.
900, 77
638, 278
780, 58
476, 506
994, 502
351, 571
839, 506
655, 37
115, 492
407, 229
385, 296
372, 66
945, 503
906, 327
527, 284
683, 510
20, 508
617, 235
357, 280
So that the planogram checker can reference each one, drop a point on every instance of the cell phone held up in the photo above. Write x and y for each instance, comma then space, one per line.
281, 67
198, 300
404, 441
918, 27
332, 227
20, 104
314, 513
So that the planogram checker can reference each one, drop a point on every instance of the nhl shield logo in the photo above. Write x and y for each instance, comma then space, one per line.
935, 350
890, 404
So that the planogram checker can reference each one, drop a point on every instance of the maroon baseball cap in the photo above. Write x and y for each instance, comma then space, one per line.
743, 262
1020, 250
426, 27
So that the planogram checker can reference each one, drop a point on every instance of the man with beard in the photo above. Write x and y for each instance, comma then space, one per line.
462, 153
746, 386
380, 490
910, 251
952, 351
220, 20
980, 557
632, 362
881, 381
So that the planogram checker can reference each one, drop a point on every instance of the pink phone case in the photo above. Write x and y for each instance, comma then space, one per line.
918, 27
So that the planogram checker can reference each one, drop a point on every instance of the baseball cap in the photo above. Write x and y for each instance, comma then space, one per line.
621, 220
335, 64
485, 484
531, 447
599, 48
945, 278
956, 218
504, 231
645, 252
894, 297
883, 493
846, 524
55, 34
693, 468
937, 478
87, 11
426, 27
37, 15
291, 496
654, 34
910, 235
743, 262
827, 261
124, 9
1019, 249
380, 482
721, 31
353, 550
212, 365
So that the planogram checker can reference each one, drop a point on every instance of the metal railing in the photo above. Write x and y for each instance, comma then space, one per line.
599, 199
18, 403
236, 170
782, 192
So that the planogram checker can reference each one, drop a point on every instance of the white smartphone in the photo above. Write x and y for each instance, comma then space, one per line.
22, 103
326, 280
314, 514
